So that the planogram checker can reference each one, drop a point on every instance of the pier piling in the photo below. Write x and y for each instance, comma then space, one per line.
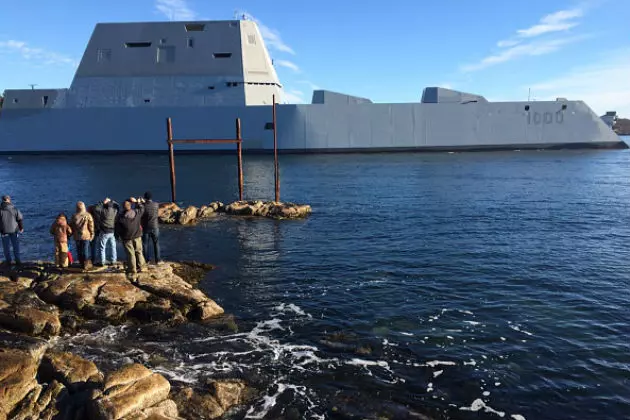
171, 153
240, 159
171, 156
275, 152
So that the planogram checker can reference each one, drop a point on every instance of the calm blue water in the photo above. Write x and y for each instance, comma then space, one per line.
420, 284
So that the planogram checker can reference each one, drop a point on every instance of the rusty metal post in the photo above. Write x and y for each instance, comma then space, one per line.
240, 159
275, 152
171, 156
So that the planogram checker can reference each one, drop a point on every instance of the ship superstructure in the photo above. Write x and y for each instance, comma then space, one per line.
204, 75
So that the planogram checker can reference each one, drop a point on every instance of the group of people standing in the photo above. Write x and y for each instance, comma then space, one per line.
94, 230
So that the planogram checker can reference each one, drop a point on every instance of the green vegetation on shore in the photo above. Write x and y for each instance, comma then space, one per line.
622, 127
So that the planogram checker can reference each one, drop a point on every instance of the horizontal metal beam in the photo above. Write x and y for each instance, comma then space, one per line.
207, 141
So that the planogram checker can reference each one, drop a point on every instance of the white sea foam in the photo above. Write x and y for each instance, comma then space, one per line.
478, 404
517, 328
437, 373
517, 417
435, 363
291, 307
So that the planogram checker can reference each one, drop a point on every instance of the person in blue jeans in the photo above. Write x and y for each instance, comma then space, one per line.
11, 223
150, 228
106, 213
82, 225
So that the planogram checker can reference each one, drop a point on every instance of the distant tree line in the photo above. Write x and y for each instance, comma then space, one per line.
622, 127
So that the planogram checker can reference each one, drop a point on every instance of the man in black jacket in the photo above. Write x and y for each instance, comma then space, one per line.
105, 223
129, 229
150, 228
10, 224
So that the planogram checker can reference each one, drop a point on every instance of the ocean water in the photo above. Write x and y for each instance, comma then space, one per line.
461, 285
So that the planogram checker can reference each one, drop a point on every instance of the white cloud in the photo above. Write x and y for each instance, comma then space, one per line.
530, 49
40, 55
604, 85
288, 64
507, 43
271, 36
513, 48
294, 97
310, 84
561, 20
175, 9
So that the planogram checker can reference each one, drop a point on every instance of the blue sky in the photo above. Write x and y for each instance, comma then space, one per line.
387, 51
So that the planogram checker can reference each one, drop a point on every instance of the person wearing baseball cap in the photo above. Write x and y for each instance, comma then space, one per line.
11, 223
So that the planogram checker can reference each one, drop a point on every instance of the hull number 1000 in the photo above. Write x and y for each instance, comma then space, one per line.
538, 118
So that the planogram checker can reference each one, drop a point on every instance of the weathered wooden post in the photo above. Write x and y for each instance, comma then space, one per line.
171, 156
275, 152
240, 159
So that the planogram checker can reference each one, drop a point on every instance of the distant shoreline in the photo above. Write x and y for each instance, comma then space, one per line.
622, 127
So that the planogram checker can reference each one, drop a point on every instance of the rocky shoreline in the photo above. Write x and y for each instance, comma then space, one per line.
39, 303
171, 213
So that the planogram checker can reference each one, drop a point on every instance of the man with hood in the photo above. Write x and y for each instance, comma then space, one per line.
106, 213
82, 225
10, 225
129, 229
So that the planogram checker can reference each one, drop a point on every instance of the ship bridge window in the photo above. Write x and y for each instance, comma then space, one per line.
195, 27
137, 44
222, 55
564, 106
526, 107
103, 55
15, 101
189, 42
45, 100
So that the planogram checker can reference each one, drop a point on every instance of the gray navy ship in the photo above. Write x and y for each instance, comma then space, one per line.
205, 74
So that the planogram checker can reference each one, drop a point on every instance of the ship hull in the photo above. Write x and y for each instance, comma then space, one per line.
311, 128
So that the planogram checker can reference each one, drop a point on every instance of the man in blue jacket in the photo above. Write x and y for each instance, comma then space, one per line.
10, 225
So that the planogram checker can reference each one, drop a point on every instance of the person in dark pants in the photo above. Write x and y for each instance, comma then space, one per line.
129, 230
150, 228
10, 224
94, 242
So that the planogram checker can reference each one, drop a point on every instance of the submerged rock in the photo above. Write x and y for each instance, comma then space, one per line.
269, 209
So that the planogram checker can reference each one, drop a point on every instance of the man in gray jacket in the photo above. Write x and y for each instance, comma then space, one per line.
10, 225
